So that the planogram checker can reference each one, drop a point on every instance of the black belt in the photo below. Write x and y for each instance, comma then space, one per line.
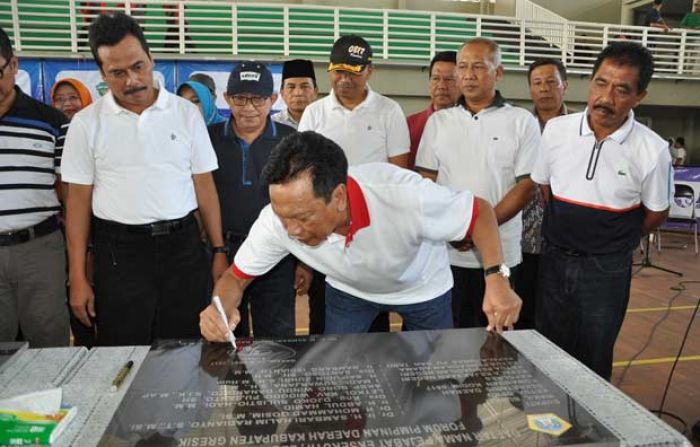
569, 252
160, 228
46, 226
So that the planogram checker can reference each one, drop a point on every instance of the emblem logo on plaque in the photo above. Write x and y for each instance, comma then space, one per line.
548, 423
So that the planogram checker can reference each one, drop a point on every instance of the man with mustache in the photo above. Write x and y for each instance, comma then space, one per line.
488, 146
243, 144
444, 93
139, 164
607, 179
368, 127
298, 90
546, 79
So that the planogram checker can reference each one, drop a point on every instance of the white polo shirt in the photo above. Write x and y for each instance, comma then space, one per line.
395, 252
598, 187
372, 132
484, 153
141, 166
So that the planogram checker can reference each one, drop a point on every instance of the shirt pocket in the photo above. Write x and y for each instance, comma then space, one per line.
501, 155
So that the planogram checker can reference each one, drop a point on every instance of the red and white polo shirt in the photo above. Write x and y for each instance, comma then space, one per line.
395, 252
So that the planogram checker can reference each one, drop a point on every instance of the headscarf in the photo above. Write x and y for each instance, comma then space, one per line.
83, 92
206, 101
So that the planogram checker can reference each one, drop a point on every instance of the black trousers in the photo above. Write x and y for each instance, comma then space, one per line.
468, 296
582, 302
148, 287
526, 280
270, 300
317, 308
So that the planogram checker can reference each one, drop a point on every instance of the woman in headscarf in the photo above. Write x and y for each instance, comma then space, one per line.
69, 96
200, 95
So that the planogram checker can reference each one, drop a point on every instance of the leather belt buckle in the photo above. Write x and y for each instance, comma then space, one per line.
160, 228
15, 237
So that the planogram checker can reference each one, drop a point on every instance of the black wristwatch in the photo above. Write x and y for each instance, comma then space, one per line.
220, 249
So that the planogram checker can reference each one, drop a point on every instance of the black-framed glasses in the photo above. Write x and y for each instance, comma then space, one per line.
4, 67
242, 100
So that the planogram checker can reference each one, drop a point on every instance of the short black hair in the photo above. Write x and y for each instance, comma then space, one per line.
629, 54
680, 140
109, 29
443, 56
547, 61
310, 152
658, 2
5, 46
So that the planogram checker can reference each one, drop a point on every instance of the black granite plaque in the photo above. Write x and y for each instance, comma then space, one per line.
436, 388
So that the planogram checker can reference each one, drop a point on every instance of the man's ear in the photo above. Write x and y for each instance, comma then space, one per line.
640, 97
340, 196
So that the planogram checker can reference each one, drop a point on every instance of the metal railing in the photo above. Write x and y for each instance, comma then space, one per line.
208, 28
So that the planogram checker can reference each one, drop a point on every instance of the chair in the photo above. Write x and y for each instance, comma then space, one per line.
683, 211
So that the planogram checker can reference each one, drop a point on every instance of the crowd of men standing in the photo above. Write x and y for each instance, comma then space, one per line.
441, 214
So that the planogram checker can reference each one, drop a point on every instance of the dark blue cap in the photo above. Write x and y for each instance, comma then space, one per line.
250, 77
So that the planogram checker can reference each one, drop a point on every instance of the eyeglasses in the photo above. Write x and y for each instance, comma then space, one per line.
60, 100
2, 69
241, 100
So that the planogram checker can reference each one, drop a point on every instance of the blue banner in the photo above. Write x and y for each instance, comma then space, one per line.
30, 78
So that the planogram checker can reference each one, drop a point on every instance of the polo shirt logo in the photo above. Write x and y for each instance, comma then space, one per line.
172, 136
621, 172
250, 76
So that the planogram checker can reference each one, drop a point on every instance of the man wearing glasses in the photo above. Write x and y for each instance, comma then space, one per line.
139, 164
243, 145
32, 256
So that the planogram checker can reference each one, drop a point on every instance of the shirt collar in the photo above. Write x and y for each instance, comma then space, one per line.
498, 101
369, 99
287, 118
359, 214
269, 132
162, 100
21, 99
619, 136
563, 111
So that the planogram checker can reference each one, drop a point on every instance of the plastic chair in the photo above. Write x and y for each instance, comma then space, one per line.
683, 211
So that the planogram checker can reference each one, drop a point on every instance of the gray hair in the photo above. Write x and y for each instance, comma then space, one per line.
492, 46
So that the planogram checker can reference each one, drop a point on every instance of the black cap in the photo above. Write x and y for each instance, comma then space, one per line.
350, 53
298, 68
250, 77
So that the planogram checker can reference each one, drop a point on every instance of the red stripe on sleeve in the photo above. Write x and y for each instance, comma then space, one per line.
240, 273
475, 214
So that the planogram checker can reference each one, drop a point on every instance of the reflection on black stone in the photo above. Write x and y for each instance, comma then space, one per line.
434, 388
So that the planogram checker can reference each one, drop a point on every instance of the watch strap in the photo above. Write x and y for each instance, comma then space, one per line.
493, 269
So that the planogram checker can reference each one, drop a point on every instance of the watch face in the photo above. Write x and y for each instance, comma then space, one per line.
504, 271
